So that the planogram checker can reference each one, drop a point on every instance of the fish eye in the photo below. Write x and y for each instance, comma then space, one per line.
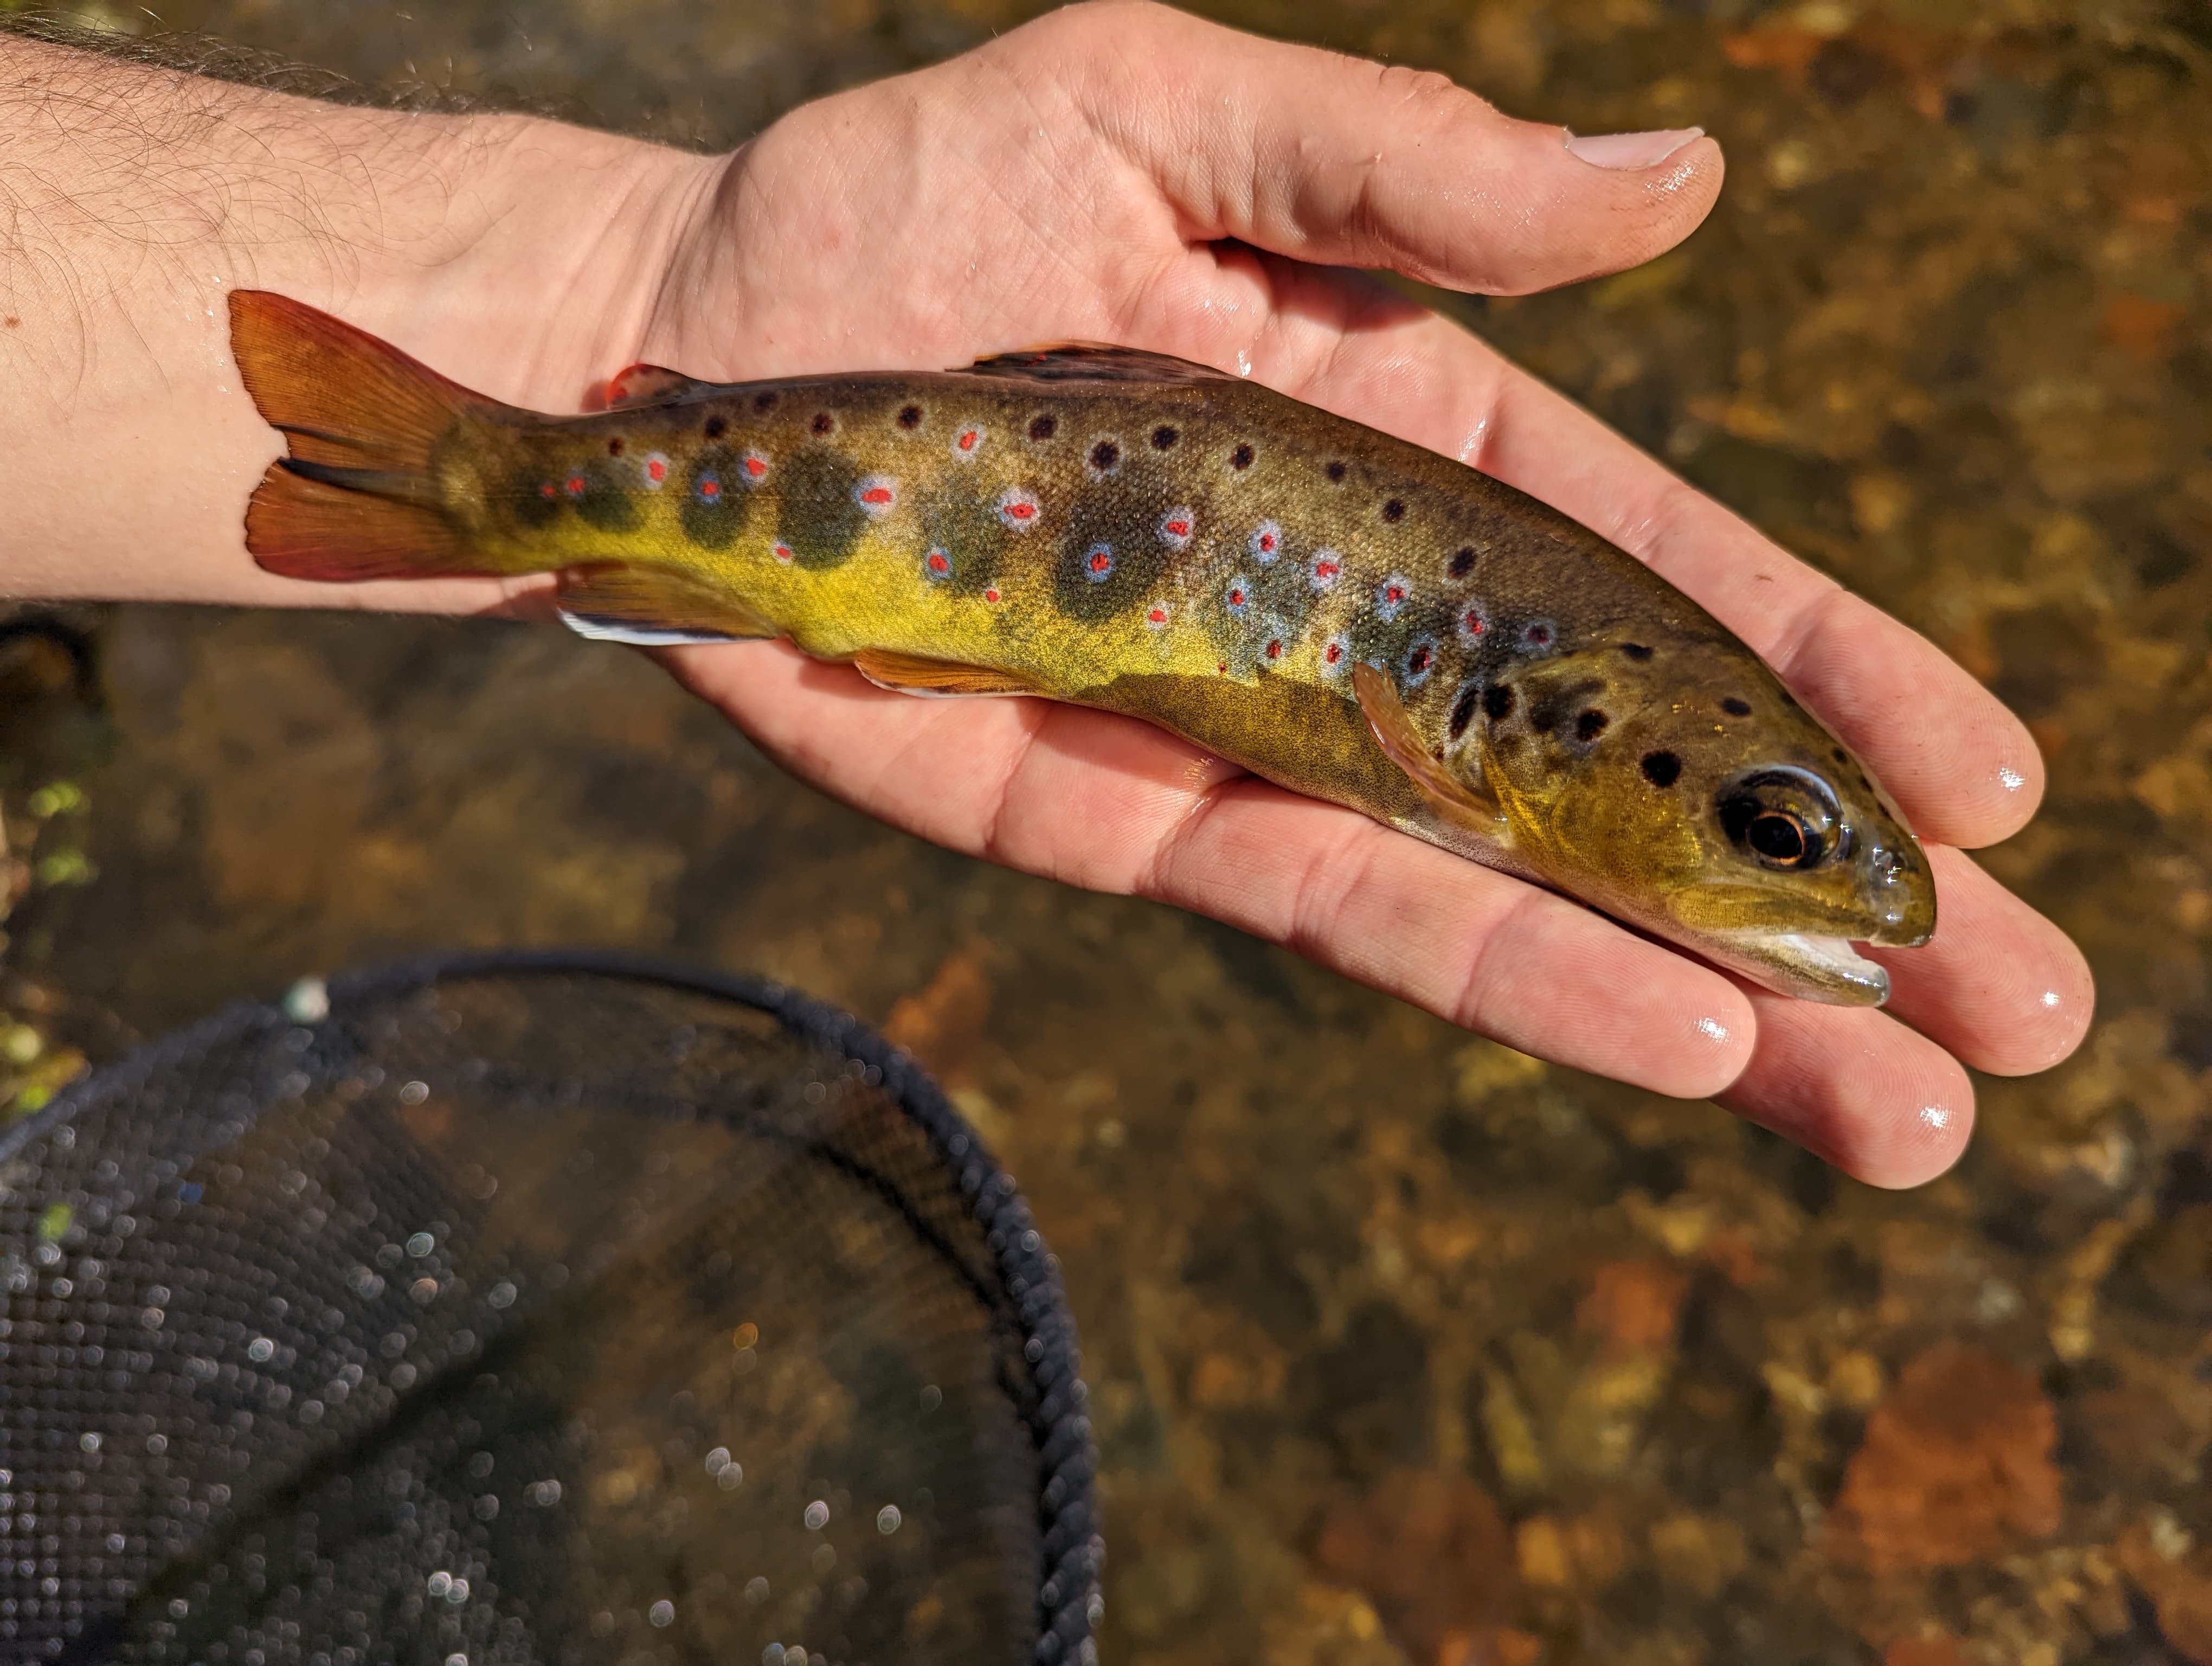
1785, 818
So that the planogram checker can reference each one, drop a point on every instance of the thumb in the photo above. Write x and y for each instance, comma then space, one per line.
1342, 161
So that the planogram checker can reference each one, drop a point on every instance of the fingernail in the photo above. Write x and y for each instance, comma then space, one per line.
1630, 150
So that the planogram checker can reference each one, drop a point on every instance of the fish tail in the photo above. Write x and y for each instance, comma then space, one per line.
357, 497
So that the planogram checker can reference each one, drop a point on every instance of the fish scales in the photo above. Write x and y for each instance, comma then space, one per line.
1087, 538
1349, 615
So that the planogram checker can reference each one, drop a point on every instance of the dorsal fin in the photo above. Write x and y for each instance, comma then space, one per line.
650, 384
1094, 361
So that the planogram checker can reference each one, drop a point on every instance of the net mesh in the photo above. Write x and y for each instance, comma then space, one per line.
531, 1309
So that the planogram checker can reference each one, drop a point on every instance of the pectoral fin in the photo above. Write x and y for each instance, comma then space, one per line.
910, 673
1457, 800
653, 607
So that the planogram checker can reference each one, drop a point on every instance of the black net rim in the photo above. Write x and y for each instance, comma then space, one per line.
1053, 1415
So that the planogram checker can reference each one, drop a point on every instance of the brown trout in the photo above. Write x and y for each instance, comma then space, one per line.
1344, 614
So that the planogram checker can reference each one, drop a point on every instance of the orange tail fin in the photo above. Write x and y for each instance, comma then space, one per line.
356, 498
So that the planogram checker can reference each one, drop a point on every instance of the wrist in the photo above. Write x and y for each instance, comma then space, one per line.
515, 254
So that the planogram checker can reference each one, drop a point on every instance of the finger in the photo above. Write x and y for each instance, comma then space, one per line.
1103, 802
1342, 161
1972, 778
1486, 951
1854, 1088
1998, 984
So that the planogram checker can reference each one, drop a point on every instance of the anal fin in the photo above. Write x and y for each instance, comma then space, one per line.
653, 607
1455, 799
911, 673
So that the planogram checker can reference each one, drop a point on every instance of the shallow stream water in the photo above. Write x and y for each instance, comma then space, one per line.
1405, 1347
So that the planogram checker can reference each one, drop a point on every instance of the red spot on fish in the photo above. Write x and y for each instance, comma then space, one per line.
547, 489
1327, 565
966, 440
656, 469
991, 595
1018, 508
1473, 622
573, 485
877, 494
1419, 661
1333, 654
1221, 671
710, 489
1396, 592
755, 464
939, 562
1157, 619
1100, 561
1275, 649
1235, 598
781, 552
1175, 528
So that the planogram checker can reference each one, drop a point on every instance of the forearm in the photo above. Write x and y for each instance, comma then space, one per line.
518, 255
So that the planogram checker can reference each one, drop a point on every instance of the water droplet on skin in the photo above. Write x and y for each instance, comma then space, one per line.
2010, 779
1935, 1117
1712, 1029
2049, 997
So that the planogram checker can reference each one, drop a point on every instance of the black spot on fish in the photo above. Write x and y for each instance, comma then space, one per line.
1164, 437
1041, 428
1636, 650
1105, 456
1538, 635
968, 528
909, 416
1497, 702
1137, 562
824, 423
615, 447
717, 427
1462, 563
818, 515
1393, 510
535, 497
1241, 458
603, 502
764, 402
1463, 710
1839, 755
715, 504
1735, 707
1591, 724
1335, 471
1662, 769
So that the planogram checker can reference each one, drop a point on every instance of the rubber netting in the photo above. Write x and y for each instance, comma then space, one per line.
531, 1309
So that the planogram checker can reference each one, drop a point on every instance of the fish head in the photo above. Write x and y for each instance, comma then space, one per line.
1684, 790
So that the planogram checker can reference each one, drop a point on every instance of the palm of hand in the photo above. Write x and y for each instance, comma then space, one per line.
1082, 179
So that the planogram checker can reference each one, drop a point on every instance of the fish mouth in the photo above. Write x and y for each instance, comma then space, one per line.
1829, 970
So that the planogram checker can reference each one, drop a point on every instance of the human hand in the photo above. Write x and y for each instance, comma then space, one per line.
1111, 172
1124, 173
